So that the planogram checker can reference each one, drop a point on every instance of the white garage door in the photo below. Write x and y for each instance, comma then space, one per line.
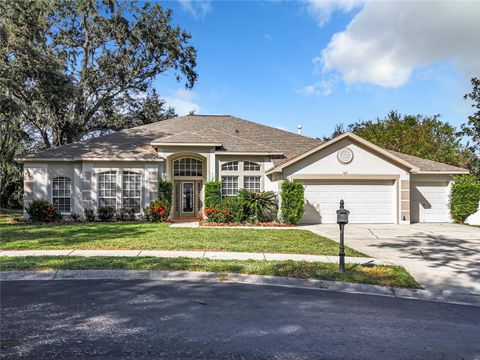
429, 202
368, 202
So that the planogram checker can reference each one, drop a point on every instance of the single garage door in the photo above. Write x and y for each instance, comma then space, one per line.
368, 201
429, 202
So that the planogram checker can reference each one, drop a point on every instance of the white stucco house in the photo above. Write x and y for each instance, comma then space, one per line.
122, 170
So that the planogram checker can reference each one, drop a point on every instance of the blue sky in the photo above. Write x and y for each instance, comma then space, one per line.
281, 64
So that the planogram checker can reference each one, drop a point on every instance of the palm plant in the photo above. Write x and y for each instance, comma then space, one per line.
258, 206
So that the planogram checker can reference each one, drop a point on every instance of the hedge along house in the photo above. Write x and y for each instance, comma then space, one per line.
123, 169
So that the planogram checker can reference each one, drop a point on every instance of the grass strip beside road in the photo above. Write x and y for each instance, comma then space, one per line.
156, 236
364, 274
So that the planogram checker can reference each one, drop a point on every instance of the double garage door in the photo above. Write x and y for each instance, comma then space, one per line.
368, 201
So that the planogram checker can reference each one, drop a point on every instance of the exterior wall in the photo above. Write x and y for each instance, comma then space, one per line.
38, 179
265, 162
474, 219
364, 165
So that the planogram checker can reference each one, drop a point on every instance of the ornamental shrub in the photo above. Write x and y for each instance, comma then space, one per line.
89, 214
215, 215
42, 211
464, 197
75, 216
125, 214
258, 206
293, 204
157, 211
165, 192
234, 206
106, 213
213, 194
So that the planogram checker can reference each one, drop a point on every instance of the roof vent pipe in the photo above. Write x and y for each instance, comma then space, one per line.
299, 129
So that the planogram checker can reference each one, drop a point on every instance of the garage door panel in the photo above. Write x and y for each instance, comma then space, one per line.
429, 202
367, 202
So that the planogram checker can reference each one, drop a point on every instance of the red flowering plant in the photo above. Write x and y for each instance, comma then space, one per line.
215, 215
157, 211
42, 211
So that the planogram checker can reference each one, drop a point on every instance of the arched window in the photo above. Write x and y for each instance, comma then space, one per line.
230, 166
250, 166
132, 194
107, 189
61, 192
187, 167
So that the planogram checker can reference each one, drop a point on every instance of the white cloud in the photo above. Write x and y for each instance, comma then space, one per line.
387, 40
183, 101
322, 87
322, 10
197, 8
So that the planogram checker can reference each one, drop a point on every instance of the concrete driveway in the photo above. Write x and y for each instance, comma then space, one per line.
439, 256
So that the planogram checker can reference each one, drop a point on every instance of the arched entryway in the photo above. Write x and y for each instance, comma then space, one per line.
187, 172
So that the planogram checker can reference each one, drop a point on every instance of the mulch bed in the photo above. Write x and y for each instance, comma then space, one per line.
262, 224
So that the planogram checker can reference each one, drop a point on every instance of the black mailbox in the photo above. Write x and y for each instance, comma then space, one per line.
342, 214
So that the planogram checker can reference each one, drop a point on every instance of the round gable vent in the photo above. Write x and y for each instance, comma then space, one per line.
345, 155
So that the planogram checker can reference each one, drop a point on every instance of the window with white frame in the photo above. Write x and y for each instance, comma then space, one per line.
251, 183
131, 191
230, 166
107, 189
61, 194
250, 166
187, 167
229, 185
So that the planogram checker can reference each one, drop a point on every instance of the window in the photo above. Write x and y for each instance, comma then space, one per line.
187, 167
229, 185
61, 194
107, 189
251, 166
230, 166
132, 191
252, 183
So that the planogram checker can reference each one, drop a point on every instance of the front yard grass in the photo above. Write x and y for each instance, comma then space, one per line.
10, 215
365, 274
156, 236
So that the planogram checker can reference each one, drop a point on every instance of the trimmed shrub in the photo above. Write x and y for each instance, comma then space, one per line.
258, 206
293, 203
106, 213
234, 206
215, 215
213, 194
465, 197
125, 214
75, 216
157, 211
165, 192
42, 211
89, 214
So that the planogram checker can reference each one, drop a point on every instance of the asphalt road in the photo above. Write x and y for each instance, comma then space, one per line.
81, 319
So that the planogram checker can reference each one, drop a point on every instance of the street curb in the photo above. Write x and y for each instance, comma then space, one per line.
210, 277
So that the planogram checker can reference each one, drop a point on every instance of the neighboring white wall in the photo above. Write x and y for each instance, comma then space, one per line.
474, 219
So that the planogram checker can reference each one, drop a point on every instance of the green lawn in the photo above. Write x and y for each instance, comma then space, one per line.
161, 236
376, 275
8, 215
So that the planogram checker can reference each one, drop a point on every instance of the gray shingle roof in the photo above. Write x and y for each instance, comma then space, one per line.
424, 164
235, 135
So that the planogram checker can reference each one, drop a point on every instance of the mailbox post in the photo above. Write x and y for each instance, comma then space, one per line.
342, 219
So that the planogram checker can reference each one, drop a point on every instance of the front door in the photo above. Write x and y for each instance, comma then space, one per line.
188, 199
